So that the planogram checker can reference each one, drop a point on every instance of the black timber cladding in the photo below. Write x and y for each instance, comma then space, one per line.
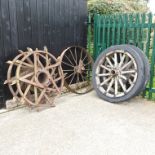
36, 23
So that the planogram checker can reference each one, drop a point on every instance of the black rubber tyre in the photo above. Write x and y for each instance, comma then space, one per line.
139, 78
146, 67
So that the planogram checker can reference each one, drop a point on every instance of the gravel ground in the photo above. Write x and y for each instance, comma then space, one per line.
80, 125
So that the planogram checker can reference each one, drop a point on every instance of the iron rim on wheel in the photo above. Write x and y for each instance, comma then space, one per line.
77, 67
116, 74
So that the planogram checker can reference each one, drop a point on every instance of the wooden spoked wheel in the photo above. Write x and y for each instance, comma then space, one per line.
42, 78
77, 67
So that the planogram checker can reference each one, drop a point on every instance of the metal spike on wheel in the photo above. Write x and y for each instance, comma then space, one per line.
77, 67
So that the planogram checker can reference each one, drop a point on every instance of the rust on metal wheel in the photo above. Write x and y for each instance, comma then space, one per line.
77, 67
11, 77
42, 78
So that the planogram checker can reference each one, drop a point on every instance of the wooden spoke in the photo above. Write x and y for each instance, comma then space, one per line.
108, 60
69, 60
72, 56
110, 86
67, 64
69, 76
127, 64
72, 79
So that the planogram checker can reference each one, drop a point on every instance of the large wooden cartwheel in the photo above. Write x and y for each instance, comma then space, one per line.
77, 67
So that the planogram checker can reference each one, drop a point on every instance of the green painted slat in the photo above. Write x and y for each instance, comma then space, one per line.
113, 30
143, 17
95, 36
149, 34
108, 31
103, 33
137, 38
118, 30
152, 68
125, 20
99, 36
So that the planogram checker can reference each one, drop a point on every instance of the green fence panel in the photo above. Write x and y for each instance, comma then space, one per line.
137, 29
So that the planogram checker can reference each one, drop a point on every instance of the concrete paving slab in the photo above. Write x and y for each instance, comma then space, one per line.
80, 125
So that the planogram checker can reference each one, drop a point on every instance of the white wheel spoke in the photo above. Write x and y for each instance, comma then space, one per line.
131, 83
104, 74
127, 65
123, 77
105, 67
121, 60
109, 62
122, 85
128, 72
105, 81
116, 86
115, 59
110, 85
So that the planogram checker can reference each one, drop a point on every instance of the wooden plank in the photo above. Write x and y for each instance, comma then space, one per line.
40, 23
51, 23
27, 24
34, 24
6, 28
1, 38
83, 14
20, 23
13, 25
46, 23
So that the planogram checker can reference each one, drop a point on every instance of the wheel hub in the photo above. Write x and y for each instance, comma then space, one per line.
79, 68
115, 72
42, 78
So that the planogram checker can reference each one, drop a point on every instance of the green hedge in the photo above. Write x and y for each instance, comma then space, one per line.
116, 6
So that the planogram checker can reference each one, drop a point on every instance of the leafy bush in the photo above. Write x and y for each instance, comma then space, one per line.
116, 6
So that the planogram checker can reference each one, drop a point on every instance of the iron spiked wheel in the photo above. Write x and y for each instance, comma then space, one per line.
11, 77
44, 78
77, 68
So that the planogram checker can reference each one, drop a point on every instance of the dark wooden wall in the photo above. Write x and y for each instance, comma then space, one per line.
35, 23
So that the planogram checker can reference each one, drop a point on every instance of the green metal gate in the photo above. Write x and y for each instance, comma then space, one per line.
136, 29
